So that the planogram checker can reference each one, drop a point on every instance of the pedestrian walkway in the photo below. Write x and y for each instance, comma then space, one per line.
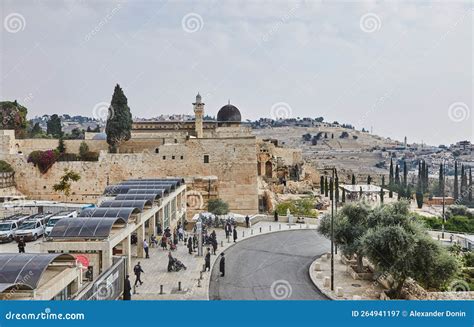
192, 288
345, 286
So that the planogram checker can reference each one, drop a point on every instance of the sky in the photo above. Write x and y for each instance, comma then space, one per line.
396, 68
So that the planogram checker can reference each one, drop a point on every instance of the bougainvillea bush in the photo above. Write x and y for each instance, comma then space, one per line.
43, 159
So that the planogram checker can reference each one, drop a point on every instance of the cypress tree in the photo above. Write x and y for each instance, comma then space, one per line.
119, 120
456, 187
336, 189
353, 179
405, 175
390, 180
326, 186
369, 179
397, 175
343, 195
382, 190
331, 189
441, 180
321, 185
53, 126
61, 146
470, 185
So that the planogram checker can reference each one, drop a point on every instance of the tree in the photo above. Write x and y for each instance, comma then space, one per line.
470, 185
61, 146
53, 126
382, 193
321, 185
390, 176
217, 207
336, 189
405, 175
5, 167
83, 150
353, 179
343, 197
350, 224
65, 181
456, 187
326, 186
13, 116
119, 120
441, 180
36, 130
397, 175
369, 179
331, 189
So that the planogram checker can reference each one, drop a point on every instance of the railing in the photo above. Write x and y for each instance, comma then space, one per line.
109, 285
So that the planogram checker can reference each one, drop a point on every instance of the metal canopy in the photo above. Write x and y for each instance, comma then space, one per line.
113, 190
127, 197
139, 204
24, 271
124, 213
156, 191
85, 227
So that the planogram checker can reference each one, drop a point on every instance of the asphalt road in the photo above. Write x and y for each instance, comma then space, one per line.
271, 266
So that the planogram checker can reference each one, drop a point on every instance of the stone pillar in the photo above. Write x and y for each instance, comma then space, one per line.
127, 252
140, 238
152, 226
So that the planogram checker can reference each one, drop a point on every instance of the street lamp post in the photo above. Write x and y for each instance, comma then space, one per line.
332, 234
444, 183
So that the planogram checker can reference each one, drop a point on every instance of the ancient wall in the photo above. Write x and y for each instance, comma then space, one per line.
231, 160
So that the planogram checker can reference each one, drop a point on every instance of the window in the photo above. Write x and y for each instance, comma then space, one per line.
175, 140
182, 157
172, 157
206, 158
157, 150
164, 157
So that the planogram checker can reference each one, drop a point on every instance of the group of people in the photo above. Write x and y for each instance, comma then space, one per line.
230, 230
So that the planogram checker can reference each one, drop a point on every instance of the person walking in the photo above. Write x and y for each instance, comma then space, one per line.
190, 245
207, 260
214, 246
127, 294
222, 265
138, 272
235, 234
145, 247
175, 238
21, 245
180, 233
247, 221
227, 230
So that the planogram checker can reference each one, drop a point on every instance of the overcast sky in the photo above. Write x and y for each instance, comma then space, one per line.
399, 68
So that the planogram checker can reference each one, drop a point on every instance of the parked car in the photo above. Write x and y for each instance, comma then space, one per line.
57, 217
7, 230
30, 230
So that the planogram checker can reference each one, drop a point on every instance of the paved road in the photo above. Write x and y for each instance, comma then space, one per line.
271, 266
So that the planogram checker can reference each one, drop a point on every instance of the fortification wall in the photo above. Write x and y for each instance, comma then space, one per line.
231, 160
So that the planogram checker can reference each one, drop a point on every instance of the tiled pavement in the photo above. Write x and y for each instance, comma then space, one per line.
156, 273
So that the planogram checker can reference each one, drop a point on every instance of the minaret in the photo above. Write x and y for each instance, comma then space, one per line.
199, 115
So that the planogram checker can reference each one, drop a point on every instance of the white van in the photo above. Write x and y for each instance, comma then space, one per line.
7, 230
57, 217
30, 230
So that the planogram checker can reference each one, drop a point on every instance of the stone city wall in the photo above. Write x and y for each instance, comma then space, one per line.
231, 160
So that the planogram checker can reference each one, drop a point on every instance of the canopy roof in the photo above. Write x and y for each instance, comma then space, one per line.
108, 212
23, 271
137, 196
85, 227
139, 204
112, 190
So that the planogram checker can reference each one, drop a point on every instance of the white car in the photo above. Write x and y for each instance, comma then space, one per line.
30, 230
57, 217
7, 230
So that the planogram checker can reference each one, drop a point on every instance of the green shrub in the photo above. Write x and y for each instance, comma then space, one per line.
90, 156
300, 207
5, 167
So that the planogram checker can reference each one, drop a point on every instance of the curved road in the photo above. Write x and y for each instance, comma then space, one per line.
281, 259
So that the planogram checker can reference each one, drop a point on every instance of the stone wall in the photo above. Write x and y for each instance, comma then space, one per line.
231, 160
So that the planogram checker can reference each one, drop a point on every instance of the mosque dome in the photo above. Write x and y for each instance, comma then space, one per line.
229, 113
